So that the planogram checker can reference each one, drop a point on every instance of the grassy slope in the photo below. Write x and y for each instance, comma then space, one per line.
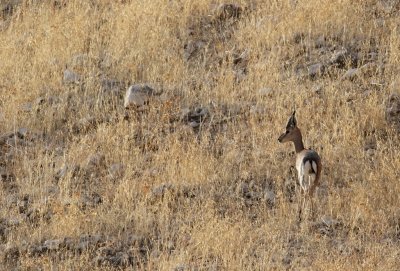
216, 227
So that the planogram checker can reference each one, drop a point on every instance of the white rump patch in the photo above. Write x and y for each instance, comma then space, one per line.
314, 166
306, 177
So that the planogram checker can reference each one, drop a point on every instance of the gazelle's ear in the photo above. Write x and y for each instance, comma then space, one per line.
292, 123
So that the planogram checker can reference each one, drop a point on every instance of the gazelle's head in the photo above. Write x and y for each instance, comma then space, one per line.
292, 132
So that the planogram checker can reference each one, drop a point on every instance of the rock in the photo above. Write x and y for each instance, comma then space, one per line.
265, 91
53, 244
11, 255
84, 124
198, 114
90, 200
339, 58
71, 77
111, 86
318, 89
315, 70
181, 267
79, 61
97, 160
116, 170
28, 107
330, 222
160, 190
191, 48
269, 196
61, 173
320, 42
194, 124
392, 113
243, 190
22, 132
24, 204
137, 95
350, 74
7, 8
258, 110
228, 11
37, 250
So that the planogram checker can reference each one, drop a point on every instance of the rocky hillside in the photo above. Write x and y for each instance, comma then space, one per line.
142, 135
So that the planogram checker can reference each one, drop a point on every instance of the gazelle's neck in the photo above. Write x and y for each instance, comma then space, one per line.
298, 141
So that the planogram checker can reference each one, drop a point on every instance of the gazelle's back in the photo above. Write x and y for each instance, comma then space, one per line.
308, 165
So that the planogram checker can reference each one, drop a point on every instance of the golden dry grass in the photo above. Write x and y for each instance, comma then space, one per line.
204, 220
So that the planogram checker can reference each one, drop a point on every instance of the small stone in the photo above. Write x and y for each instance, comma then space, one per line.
243, 189
111, 86
258, 110
320, 42
90, 200
316, 70
228, 11
181, 267
96, 161
28, 107
79, 61
53, 244
137, 95
116, 170
15, 141
270, 196
330, 222
392, 113
191, 48
22, 132
339, 58
71, 77
350, 74
37, 250
11, 255
160, 190
194, 124
61, 173
265, 91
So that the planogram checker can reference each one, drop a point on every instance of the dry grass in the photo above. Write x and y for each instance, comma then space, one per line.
213, 213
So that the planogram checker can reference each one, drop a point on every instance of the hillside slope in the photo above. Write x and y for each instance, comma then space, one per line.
192, 177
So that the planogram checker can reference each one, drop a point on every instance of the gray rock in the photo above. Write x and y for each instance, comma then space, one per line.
61, 173
320, 42
97, 160
181, 267
71, 77
111, 86
392, 113
159, 191
258, 110
192, 48
194, 124
269, 196
116, 170
350, 74
339, 57
315, 70
138, 95
90, 200
265, 91
53, 244
79, 61
228, 11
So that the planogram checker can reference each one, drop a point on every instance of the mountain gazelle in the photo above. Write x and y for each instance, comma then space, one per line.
308, 162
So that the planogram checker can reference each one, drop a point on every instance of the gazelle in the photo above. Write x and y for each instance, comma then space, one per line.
308, 162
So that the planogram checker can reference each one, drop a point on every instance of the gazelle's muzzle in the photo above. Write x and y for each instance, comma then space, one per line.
281, 139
